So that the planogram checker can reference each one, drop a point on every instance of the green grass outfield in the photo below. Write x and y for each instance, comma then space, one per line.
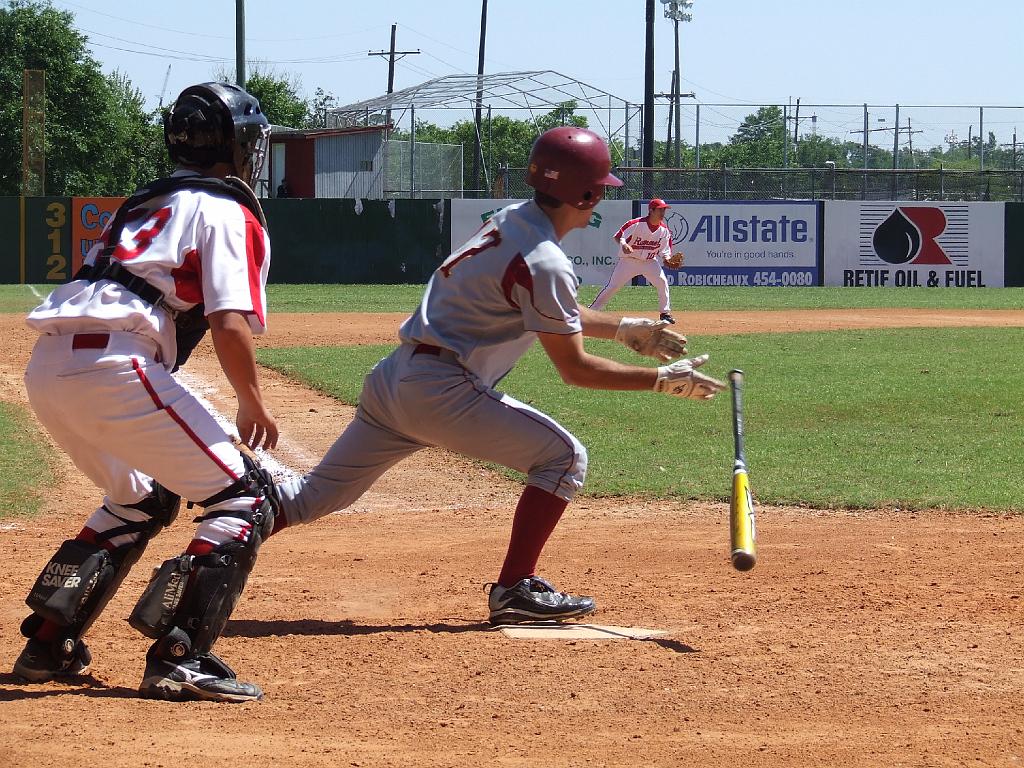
916, 417
25, 456
856, 419
404, 298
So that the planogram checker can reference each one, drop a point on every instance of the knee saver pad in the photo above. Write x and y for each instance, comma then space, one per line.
71, 583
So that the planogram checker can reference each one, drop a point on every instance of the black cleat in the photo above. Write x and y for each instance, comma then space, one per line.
204, 677
535, 599
42, 661
667, 317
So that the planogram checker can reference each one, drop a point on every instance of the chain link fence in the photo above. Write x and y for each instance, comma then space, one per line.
426, 170
797, 184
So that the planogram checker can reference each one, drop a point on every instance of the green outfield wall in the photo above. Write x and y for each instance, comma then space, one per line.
43, 239
1014, 248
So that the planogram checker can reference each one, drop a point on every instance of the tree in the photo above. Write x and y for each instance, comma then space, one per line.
138, 153
98, 137
279, 98
321, 102
814, 151
758, 141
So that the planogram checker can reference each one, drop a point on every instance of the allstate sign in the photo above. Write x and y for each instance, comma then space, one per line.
745, 243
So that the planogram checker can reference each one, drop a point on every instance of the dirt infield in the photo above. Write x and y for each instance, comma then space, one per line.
879, 638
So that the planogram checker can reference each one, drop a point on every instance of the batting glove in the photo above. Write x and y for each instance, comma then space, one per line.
650, 338
679, 379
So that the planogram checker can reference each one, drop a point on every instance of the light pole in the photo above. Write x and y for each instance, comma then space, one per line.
677, 10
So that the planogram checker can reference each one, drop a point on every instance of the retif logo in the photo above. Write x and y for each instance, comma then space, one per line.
913, 235
910, 236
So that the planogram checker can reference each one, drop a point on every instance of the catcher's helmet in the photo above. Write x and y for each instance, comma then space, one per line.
571, 165
218, 122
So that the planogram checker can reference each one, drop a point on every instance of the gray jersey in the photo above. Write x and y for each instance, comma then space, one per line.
484, 306
490, 298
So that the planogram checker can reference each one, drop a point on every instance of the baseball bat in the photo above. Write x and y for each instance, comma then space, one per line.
742, 517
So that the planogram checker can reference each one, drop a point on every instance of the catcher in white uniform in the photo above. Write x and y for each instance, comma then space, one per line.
483, 308
182, 255
644, 245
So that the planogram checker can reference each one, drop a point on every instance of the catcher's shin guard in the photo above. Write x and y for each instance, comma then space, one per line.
190, 597
78, 582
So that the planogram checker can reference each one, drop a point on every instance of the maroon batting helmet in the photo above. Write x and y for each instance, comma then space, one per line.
571, 165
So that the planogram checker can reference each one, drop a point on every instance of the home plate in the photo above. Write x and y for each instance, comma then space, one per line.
550, 631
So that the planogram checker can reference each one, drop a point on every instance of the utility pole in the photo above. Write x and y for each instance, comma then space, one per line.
240, 43
981, 138
391, 54
478, 154
910, 138
676, 79
668, 138
648, 154
796, 123
896, 141
1013, 147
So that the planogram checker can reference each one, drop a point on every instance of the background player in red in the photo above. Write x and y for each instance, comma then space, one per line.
484, 307
183, 254
644, 244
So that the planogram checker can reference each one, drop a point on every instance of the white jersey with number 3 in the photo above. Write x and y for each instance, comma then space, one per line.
194, 247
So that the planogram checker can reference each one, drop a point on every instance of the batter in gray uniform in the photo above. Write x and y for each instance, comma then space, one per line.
483, 308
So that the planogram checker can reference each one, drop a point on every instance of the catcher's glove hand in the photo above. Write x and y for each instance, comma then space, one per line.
675, 261
651, 338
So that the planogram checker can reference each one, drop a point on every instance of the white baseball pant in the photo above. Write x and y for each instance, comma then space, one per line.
123, 419
625, 271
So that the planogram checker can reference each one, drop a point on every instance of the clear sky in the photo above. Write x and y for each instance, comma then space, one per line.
912, 52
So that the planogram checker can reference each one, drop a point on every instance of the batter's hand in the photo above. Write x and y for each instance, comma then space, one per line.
256, 427
651, 338
680, 379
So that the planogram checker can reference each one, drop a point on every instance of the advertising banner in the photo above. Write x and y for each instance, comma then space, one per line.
908, 244
592, 250
771, 243
89, 215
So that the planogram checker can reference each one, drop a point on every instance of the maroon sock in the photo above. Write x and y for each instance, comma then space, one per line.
536, 516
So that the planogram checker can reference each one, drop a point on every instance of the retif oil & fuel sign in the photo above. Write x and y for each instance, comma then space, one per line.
914, 245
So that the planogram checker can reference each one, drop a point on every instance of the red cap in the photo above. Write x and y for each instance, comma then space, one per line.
658, 203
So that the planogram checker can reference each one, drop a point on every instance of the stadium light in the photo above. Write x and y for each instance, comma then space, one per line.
678, 10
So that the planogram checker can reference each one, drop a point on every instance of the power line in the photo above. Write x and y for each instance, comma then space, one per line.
221, 37
154, 53
147, 45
